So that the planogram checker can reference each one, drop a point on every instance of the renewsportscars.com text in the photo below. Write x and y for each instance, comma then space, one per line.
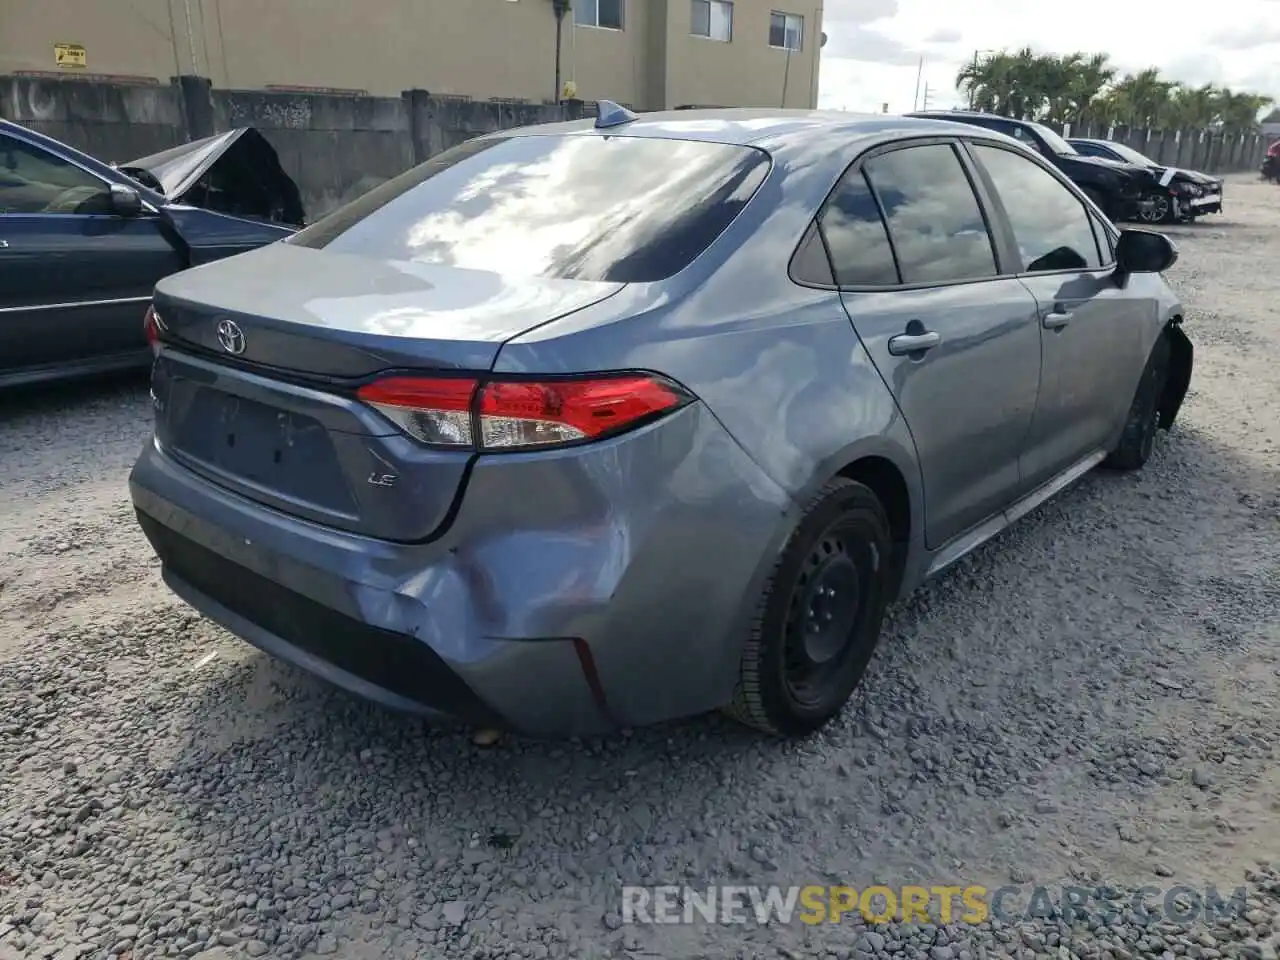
818, 904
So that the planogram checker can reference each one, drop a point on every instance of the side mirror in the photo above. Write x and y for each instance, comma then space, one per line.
1145, 251
125, 200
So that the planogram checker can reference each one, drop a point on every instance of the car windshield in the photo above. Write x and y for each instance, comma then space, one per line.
581, 207
1130, 154
1053, 141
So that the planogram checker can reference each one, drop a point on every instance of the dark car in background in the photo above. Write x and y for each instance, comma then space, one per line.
1180, 195
83, 243
1121, 190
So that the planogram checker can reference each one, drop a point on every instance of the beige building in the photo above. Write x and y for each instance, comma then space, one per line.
647, 53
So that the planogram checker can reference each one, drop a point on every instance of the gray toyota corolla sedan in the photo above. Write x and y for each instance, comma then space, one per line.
593, 424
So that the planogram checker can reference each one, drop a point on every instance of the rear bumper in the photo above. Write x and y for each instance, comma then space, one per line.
573, 593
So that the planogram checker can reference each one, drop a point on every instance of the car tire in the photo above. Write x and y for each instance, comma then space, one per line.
1160, 214
819, 615
1137, 442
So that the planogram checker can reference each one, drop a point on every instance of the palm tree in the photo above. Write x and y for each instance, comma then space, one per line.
1238, 112
987, 82
1088, 82
1192, 107
1142, 99
1082, 88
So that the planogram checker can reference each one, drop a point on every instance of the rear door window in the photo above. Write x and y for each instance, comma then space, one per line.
582, 207
935, 222
855, 234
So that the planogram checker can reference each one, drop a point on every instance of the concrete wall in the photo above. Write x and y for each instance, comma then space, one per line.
478, 48
336, 147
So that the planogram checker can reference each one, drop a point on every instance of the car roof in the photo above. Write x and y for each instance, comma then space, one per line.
970, 114
773, 130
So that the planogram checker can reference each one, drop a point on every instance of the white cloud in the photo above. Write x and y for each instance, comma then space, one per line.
866, 66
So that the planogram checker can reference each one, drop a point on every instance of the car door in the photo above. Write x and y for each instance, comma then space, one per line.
956, 342
77, 275
1090, 328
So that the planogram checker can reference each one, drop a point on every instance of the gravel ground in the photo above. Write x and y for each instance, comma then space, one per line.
1090, 698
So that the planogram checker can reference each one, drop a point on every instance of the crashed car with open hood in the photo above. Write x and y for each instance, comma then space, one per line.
1177, 195
1120, 190
237, 172
83, 243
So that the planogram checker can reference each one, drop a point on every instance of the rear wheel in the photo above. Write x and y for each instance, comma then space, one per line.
819, 617
1137, 443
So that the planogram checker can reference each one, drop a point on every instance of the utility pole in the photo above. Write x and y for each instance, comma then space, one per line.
561, 7
786, 76
915, 101
191, 36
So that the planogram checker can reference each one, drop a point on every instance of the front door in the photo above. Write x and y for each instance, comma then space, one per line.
1091, 331
77, 275
958, 347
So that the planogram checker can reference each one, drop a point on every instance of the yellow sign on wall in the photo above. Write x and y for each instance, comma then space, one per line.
69, 56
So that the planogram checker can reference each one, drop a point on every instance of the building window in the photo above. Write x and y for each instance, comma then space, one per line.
598, 13
713, 19
786, 31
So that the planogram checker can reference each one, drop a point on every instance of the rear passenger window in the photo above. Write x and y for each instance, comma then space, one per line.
860, 251
934, 219
1051, 226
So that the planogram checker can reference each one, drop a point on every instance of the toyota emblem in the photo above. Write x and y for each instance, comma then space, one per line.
231, 337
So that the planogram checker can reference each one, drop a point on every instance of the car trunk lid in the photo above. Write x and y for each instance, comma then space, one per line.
261, 354
334, 315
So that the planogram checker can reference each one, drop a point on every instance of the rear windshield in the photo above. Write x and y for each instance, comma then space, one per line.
578, 207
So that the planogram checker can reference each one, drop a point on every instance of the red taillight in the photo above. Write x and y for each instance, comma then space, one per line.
520, 414
151, 326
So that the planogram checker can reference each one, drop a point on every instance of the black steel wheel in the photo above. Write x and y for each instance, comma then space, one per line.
819, 617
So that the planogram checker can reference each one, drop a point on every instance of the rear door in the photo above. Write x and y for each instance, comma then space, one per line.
1091, 330
77, 275
954, 340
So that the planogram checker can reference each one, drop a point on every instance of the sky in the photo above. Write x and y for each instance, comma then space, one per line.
874, 46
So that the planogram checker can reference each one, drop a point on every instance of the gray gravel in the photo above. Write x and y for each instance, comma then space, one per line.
1091, 698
